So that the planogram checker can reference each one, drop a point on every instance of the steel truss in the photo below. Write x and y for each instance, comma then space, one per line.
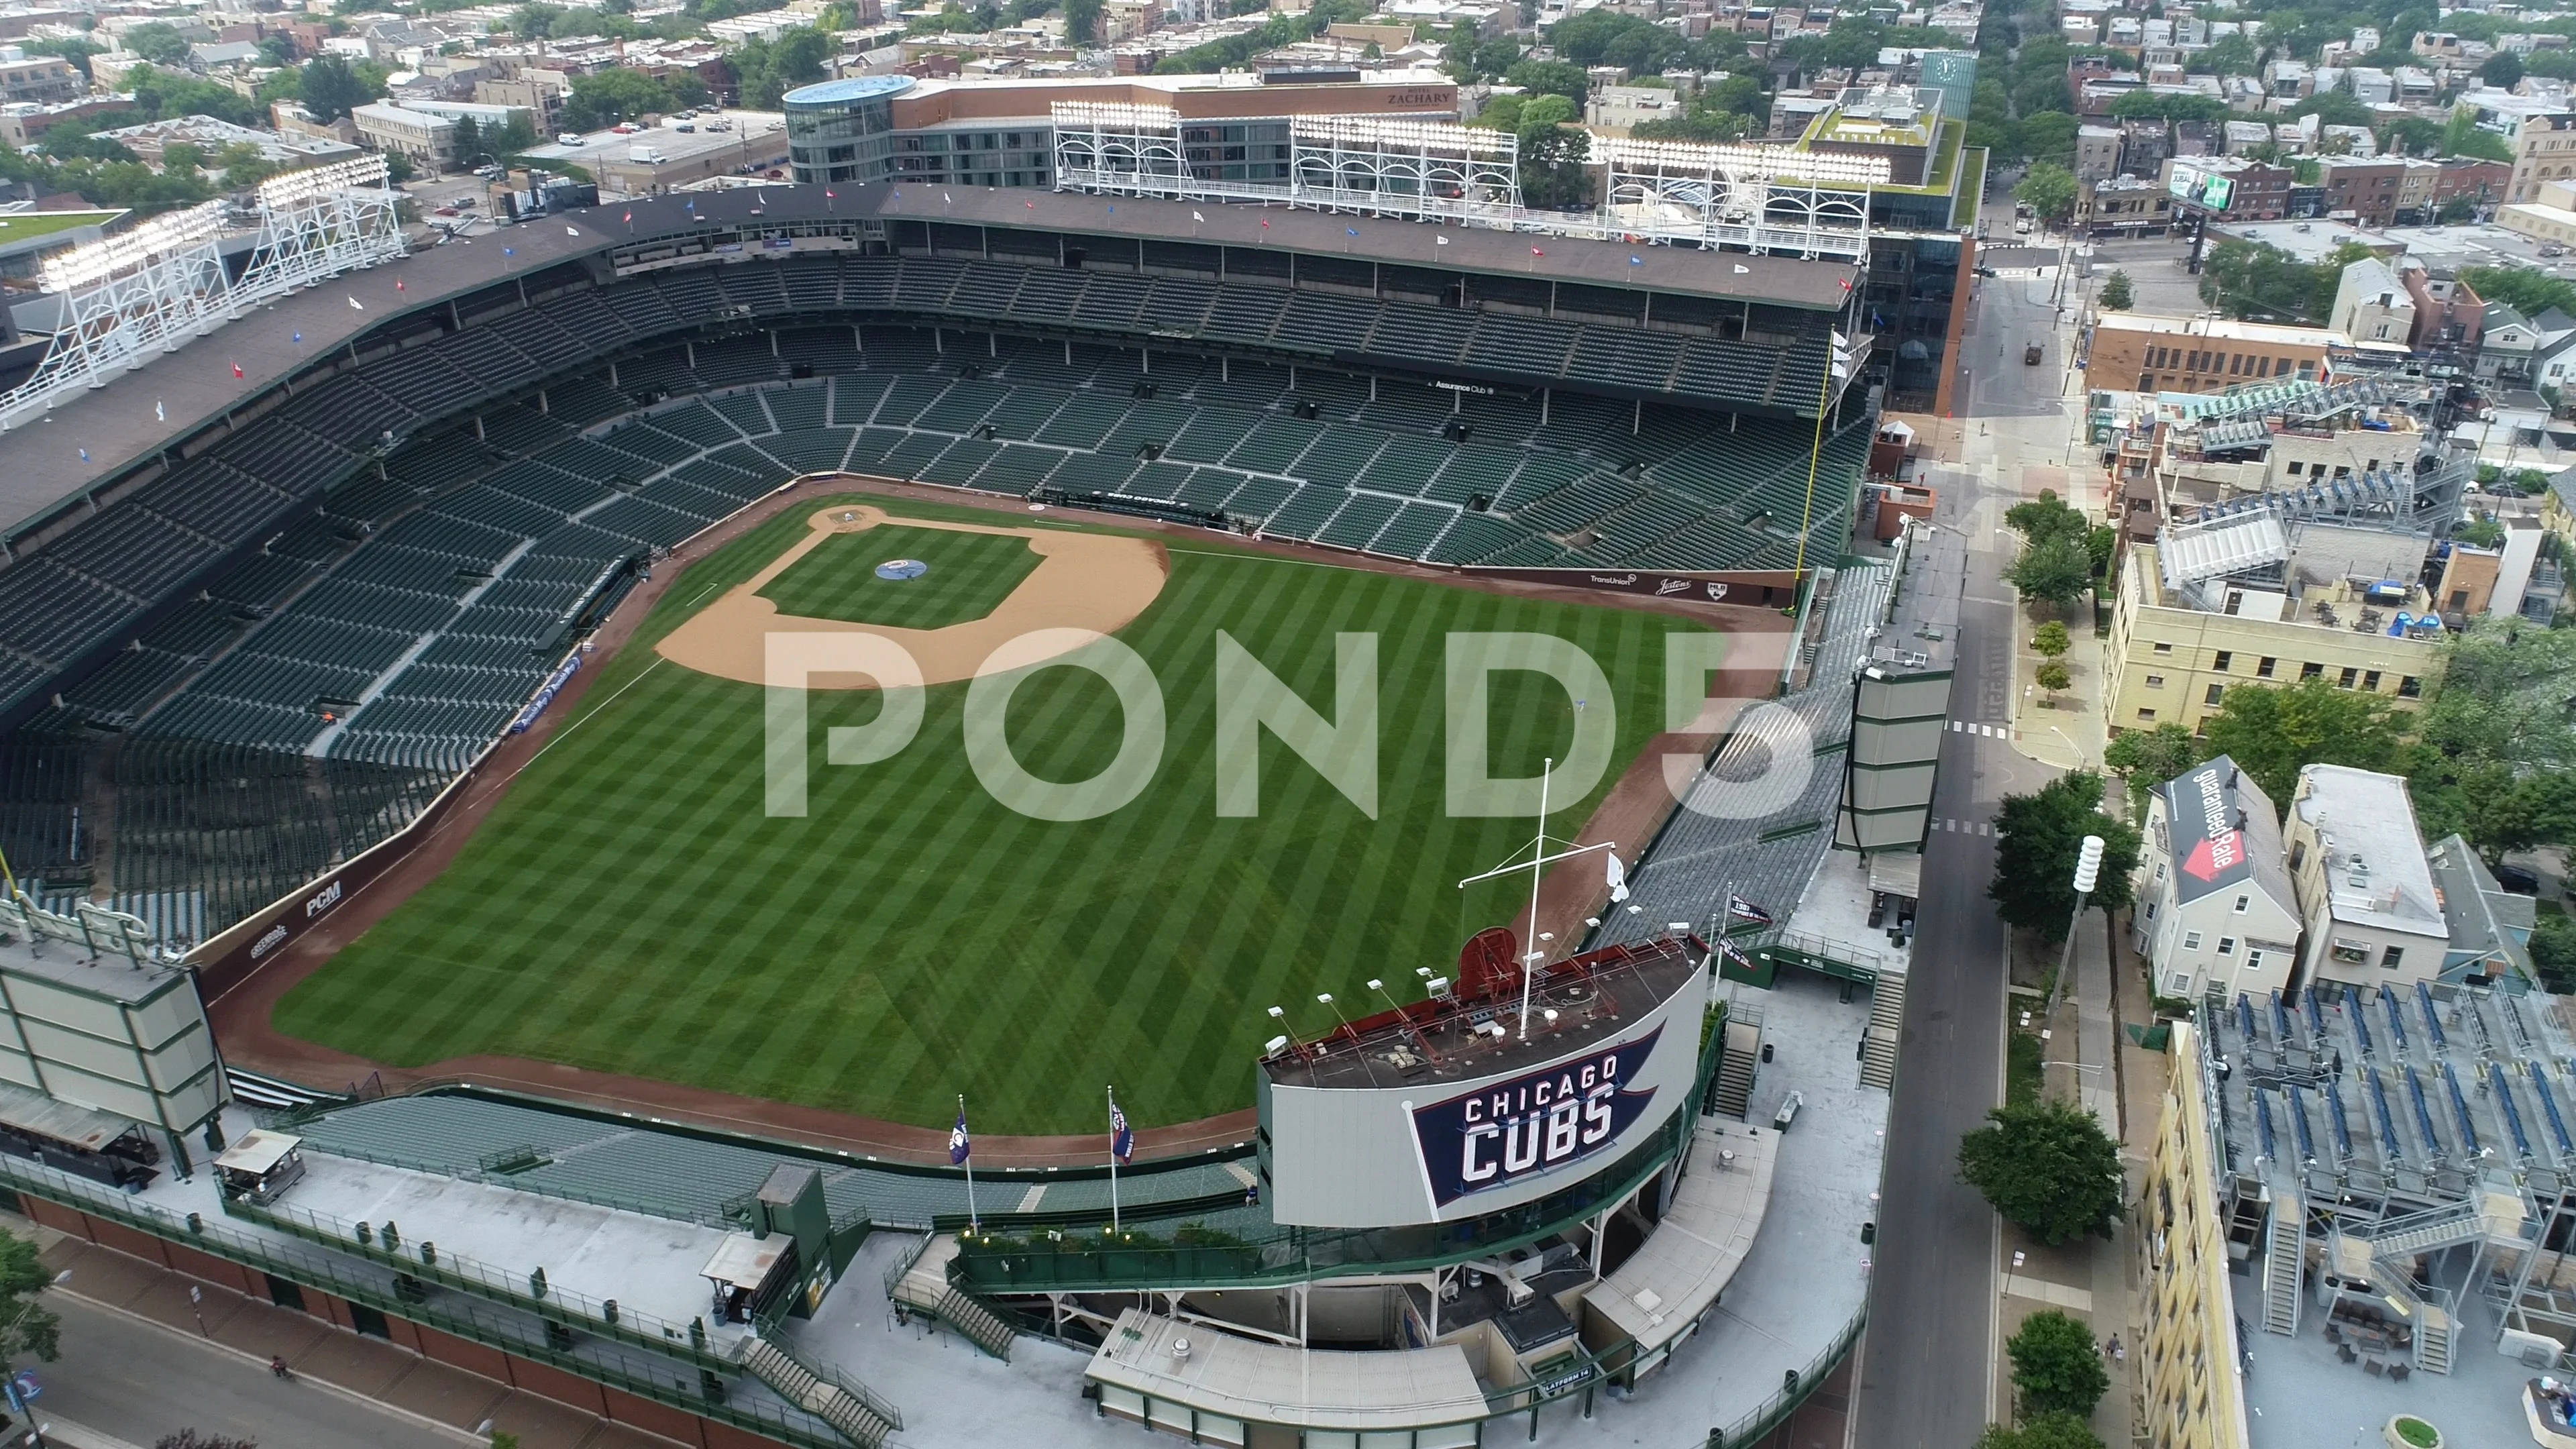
1747, 197
152, 288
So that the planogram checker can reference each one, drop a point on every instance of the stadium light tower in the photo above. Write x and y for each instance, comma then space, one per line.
123, 298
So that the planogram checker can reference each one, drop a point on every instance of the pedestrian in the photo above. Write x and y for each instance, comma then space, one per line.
2118, 1354
277, 1366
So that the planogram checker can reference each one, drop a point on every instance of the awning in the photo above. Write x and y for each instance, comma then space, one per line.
258, 1151
745, 1262
1898, 875
83, 1127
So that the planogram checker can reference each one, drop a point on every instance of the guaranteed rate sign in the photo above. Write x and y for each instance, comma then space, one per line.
1509, 1131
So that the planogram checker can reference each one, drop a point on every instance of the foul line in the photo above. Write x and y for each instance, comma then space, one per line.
658, 662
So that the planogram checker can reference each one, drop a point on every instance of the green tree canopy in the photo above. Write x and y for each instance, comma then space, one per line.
2048, 189
2259, 282
158, 43
2057, 1367
2271, 731
26, 1325
2048, 1431
2038, 837
2054, 571
2527, 290
2498, 756
2051, 639
331, 88
2156, 106
1550, 78
2040, 519
606, 97
768, 69
2144, 759
2048, 1167
2117, 294
2335, 108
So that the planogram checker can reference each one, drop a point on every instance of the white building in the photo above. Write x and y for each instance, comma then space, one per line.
2215, 904
428, 140
2365, 892
2371, 305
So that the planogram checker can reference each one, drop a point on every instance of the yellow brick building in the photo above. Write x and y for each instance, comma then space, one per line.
2187, 1359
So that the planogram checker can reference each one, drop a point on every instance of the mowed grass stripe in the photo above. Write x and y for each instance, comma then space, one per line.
630, 908
970, 573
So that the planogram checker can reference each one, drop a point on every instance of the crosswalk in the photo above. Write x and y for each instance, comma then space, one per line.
1992, 732
1965, 827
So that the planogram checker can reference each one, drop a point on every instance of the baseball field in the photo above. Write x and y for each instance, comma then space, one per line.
629, 906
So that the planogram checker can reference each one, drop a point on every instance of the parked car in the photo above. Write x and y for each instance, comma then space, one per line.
2517, 880
445, 211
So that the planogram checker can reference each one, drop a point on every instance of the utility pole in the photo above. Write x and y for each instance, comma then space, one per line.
2088, 873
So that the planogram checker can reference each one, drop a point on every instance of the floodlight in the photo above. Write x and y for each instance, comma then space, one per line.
1272, 1047
1373, 131
162, 235
1325, 997
293, 188
1422, 971
1275, 1011
1082, 114
1376, 985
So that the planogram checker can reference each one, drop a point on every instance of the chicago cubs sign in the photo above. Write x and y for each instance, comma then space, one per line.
1513, 1130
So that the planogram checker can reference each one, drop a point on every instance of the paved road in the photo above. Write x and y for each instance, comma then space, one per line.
138, 1381
1924, 1372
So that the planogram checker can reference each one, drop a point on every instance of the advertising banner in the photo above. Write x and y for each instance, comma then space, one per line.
1509, 1131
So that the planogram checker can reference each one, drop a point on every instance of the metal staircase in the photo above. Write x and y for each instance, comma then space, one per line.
2433, 1339
2284, 1261
923, 1287
859, 1416
1886, 1027
1732, 1094
2443, 1227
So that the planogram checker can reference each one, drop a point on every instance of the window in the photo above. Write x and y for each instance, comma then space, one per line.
2296, 468
2351, 953
2263, 667
2244, 904
2227, 945
2391, 956
2224, 658
2347, 678
2178, 984
2311, 671
2191, 940
2210, 698
2155, 681
2409, 687
2151, 905
2253, 959
2164, 649
2146, 714
2370, 681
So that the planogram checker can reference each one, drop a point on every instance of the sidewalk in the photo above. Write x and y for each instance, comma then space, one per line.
447, 1399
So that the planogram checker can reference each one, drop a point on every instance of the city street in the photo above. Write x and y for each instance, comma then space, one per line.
137, 1381
1924, 1371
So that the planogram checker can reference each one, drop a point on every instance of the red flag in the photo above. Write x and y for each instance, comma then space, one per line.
830, 195
1846, 284
237, 369
1265, 221
1536, 252
398, 286
1031, 205
630, 218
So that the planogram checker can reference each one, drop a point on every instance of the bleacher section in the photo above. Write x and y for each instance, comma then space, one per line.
347, 599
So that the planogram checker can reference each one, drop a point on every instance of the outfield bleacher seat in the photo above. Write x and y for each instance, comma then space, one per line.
746, 412
803, 406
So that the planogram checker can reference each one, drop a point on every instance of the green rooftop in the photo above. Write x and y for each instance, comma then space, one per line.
23, 226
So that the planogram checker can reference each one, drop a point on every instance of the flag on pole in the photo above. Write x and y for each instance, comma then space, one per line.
1537, 252
1618, 877
1636, 261
1265, 223
1122, 1141
84, 455
958, 1147
357, 306
398, 284
630, 216
299, 339
1440, 241
509, 251
1194, 216
572, 231
951, 200
1729, 950
1741, 269
160, 414
237, 372
1031, 205
1741, 909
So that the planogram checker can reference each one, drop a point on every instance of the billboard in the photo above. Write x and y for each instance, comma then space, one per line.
2219, 191
2201, 815
1428, 1151
2184, 184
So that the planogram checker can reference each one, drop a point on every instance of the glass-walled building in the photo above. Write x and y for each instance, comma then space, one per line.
843, 130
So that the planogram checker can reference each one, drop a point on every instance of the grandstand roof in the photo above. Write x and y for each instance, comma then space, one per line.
194, 388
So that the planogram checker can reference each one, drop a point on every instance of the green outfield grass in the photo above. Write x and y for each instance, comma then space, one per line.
629, 907
969, 574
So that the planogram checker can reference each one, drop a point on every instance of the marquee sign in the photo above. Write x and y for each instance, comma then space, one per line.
1513, 1130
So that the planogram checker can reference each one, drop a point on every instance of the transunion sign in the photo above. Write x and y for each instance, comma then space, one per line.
1509, 1131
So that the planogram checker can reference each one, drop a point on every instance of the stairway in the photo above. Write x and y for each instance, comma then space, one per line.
1732, 1093
2494, 1215
2432, 1340
924, 1288
860, 1416
1886, 1027
2284, 1257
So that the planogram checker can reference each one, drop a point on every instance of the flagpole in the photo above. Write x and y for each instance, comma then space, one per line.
1113, 1160
1538, 856
974, 1219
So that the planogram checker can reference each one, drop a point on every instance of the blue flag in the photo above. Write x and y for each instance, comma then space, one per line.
1352, 230
958, 1147
1122, 1142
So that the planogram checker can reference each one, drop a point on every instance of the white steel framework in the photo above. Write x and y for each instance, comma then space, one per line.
1758, 198
150, 289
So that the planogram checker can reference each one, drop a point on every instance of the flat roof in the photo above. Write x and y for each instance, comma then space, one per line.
745, 1262
17, 226
1693, 1253
2373, 855
256, 1151
32, 1111
1270, 1383
852, 88
2222, 328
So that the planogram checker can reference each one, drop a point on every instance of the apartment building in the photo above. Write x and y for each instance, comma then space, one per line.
430, 141
37, 79
2544, 149
2365, 892
2187, 1358
2134, 352
2215, 907
2210, 606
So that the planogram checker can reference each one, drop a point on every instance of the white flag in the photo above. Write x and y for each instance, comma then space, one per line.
1440, 241
1741, 269
159, 413
944, 196
1194, 216
357, 306
1618, 878
572, 231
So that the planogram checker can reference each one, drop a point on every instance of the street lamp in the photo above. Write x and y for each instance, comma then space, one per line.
2088, 873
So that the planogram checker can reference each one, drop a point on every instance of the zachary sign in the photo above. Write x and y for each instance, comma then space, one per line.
1516, 1129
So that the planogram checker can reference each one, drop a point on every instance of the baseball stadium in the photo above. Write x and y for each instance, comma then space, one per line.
399, 723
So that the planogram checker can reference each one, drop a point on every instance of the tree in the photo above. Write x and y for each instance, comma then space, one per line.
76, 49
2272, 731
2525, 289
2054, 677
2056, 571
2263, 283
2038, 837
2048, 189
26, 1326
2057, 1368
2048, 1431
2100, 542
2503, 70
1552, 152
399, 168
2040, 519
331, 88
2233, 55
2116, 294
768, 69
2553, 950
2051, 640
469, 140
2048, 1167
606, 97
2144, 759
2048, 136
2334, 108
158, 43
1550, 78
1081, 21
2143, 105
